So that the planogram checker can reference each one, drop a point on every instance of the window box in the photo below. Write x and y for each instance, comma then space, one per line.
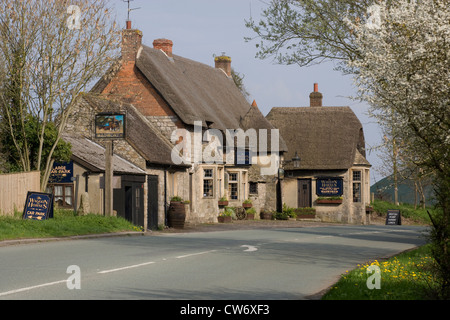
324, 201
329, 200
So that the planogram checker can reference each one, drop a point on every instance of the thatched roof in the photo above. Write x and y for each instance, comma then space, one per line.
254, 119
92, 155
195, 91
326, 138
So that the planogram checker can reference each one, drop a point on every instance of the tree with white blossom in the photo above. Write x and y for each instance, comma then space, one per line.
403, 72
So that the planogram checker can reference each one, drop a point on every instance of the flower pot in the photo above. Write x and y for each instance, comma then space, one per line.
306, 216
329, 201
265, 215
224, 219
223, 203
250, 216
247, 205
176, 215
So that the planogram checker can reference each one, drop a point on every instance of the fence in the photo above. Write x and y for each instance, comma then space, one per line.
14, 188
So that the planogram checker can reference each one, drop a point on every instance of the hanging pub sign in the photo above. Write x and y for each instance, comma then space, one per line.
393, 217
61, 173
110, 125
329, 187
38, 206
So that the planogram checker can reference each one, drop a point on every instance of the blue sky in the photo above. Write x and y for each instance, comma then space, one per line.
201, 29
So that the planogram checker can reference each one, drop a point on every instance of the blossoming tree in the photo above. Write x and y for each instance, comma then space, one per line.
404, 74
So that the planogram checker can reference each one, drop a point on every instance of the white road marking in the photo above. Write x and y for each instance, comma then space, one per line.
195, 254
31, 288
127, 267
250, 248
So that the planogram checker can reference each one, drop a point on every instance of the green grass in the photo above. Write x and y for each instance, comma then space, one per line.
407, 276
65, 223
407, 211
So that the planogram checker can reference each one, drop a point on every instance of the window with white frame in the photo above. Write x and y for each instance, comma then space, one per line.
208, 183
233, 185
356, 186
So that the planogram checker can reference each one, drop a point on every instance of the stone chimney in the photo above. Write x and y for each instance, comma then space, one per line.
164, 45
223, 62
315, 97
131, 42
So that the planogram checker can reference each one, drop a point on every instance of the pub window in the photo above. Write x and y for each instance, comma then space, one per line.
208, 183
356, 186
138, 198
63, 195
253, 188
233, 185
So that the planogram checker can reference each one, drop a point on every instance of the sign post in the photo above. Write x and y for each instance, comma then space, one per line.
38, 206
393, 217
109, 126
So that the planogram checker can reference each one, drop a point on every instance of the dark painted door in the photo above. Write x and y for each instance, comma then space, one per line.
129, 203
304, 193
152, 214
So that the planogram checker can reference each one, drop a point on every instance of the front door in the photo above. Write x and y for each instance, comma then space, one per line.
304, 193
152, 214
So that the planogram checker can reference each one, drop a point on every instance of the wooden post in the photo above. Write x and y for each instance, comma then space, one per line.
109, 179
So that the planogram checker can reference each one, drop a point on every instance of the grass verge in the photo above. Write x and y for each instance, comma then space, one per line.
64, 223
418, 215
408, 276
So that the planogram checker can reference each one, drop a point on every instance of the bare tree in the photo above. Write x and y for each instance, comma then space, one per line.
53, 50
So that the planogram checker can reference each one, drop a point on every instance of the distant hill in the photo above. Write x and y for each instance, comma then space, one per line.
384, 190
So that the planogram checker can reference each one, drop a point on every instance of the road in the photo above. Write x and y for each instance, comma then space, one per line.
270, 264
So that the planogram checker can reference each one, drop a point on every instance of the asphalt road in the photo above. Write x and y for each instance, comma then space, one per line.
269, 264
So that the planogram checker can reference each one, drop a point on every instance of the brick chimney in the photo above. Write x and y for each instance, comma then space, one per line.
223, 62
131, 42
315, 97
164, 45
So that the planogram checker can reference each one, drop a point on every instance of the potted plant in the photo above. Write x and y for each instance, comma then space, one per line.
305, 213
247, 203
329, 200
177, 213
250, 214
265, 214
225, 216
288, 213
223, 201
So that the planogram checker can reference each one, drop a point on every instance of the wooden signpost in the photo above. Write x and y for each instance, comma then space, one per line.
38, 206
393, 217
109, 126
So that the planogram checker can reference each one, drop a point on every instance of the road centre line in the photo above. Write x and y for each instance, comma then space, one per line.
32, 287
195, 254
127, 267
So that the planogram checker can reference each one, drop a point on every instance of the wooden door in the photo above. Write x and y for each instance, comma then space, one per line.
152, 214
304, 193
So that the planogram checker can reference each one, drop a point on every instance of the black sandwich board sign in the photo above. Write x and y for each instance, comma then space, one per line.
393, 217
38, 206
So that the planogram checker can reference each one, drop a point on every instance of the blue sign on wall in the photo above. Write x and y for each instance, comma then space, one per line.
38, 206
329, 187
61, 173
